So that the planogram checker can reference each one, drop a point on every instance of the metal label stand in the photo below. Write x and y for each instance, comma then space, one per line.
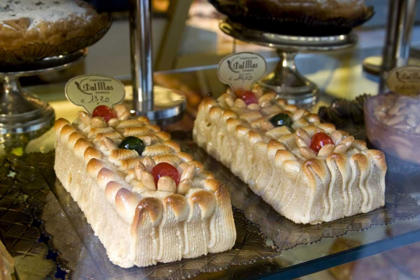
153, 102
400, 24
286, 79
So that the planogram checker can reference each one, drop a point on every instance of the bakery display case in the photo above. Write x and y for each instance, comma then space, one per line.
243, 185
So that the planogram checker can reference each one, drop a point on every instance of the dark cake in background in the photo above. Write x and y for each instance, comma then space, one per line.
297, 17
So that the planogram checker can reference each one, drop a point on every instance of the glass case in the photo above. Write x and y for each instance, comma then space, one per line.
48, 236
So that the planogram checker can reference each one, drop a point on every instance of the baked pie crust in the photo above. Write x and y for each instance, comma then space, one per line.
320, 9
138, 222
343, 179
53, 22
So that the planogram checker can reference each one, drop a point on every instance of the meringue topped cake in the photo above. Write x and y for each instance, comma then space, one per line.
145, 199
307, 171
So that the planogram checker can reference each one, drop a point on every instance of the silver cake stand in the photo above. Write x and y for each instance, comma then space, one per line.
23, 116
286, 79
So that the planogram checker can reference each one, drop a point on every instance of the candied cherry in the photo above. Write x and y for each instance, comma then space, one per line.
249, 97
132, 143
281, 120
319, 140
165, 169
104, 112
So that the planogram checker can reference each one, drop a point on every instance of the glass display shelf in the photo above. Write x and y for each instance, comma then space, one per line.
341, 77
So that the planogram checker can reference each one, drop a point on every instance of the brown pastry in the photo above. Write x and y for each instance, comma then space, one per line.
53, 22
320, 9
296, 17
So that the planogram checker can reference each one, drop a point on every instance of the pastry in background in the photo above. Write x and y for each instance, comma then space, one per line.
393, 125
319, 9
46, 21
35, 29
297, 17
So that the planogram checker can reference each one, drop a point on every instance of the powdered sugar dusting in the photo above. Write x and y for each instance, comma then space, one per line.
41, 10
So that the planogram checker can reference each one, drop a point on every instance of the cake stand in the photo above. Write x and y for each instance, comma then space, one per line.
22, 116
286, 79
159, 104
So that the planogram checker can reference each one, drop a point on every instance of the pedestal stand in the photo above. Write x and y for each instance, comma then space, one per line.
286, 79
154, 102
21, 115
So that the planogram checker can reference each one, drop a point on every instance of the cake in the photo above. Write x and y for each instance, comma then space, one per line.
7, 264
295, 17
320, 9
393, 124
145, 199
307, 171
53, 22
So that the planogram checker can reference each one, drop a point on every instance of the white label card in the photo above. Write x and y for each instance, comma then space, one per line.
404, 80
241, 70
90, 91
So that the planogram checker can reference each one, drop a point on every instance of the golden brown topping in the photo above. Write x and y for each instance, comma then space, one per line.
166, 184
98, 122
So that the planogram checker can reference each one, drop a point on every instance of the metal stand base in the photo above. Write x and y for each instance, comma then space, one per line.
24, 117
289, 83
286, 79
20, 112
168, 104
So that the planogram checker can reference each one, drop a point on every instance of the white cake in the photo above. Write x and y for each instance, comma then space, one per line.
342, 179
7, 264
138, 222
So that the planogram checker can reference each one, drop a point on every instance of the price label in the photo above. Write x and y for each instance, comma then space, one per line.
404, 80
90, 91
241, 70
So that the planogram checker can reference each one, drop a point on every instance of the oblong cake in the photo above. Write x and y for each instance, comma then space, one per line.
141, 219
275, 148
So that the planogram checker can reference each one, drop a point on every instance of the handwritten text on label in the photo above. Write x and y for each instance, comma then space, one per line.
241, 70
90, 91
404, 80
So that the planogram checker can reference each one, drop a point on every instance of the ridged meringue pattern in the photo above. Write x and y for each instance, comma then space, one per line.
341, 179
141, 222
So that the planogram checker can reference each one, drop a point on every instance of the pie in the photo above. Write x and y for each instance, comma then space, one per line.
145, 199
306, 170
52, 22
320, 9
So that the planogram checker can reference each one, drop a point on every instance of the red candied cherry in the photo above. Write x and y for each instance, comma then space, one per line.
165, 169
249, 98
319, 140
104, 112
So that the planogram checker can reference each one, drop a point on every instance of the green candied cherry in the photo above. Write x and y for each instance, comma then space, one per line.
133, 143
281, 120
